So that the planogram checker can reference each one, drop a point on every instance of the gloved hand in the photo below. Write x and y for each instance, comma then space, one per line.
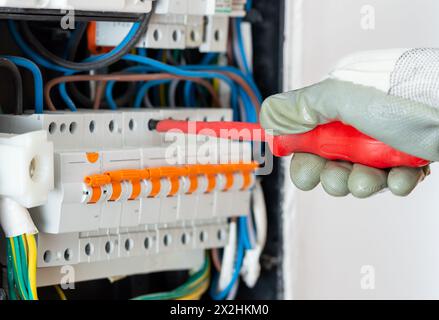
404, 124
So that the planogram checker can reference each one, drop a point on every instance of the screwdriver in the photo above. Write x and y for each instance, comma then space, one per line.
333, 141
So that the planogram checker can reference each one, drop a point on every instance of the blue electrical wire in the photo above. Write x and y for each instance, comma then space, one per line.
129, 57
243, 226
237, 269
179, 70
194, 71
47, 64
110, 85
120, 47
250, 112
142, 52
184, 71
209, 58
189, 86
38, 79
188, 71
248, 5
189, 100
144, 90
62, 88
234, 70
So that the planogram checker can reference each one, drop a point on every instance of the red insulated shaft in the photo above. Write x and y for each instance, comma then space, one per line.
333, 141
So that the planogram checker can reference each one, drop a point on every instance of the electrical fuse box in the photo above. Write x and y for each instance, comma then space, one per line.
122, 192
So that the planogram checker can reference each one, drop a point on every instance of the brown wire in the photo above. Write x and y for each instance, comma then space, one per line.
148, 77
100, 89
216, 259
122, 78
246, 88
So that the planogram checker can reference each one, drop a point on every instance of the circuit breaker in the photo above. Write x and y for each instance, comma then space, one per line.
122, 192
133, 6
179, 24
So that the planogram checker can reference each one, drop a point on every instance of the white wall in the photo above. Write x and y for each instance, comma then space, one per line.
329, 240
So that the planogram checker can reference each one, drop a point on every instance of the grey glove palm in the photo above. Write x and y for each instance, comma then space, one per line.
404, 124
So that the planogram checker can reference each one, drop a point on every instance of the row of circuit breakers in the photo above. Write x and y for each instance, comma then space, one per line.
122, 199
176, 24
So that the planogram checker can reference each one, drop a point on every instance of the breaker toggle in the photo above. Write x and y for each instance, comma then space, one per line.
169, 181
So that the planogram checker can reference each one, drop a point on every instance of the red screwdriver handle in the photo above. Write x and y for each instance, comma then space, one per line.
333, 141
337, 141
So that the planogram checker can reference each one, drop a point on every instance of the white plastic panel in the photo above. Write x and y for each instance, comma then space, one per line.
166, 261
132, 6
26, 171
180, 24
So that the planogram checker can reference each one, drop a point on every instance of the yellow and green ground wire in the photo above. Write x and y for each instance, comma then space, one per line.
22, 265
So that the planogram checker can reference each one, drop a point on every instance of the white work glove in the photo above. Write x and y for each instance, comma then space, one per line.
391, 96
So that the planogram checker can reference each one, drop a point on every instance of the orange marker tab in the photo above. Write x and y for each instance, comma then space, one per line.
124, 175
92, 157
97, 180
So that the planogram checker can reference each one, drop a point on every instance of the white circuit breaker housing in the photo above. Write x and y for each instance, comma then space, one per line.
127, 200
129, 6
180, 24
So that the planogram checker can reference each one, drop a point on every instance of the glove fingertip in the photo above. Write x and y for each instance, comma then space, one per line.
402, 181
366, 181
305, 170
334, 178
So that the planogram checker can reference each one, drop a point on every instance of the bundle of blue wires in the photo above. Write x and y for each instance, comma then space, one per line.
49, 65
154, 65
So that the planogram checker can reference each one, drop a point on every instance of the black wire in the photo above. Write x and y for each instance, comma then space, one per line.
86, 102
18, 83
87, 66
75, 93
77, 37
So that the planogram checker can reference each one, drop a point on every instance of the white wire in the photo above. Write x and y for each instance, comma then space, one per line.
147, 101
251, 267
238, 56
228, 260
260, 214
